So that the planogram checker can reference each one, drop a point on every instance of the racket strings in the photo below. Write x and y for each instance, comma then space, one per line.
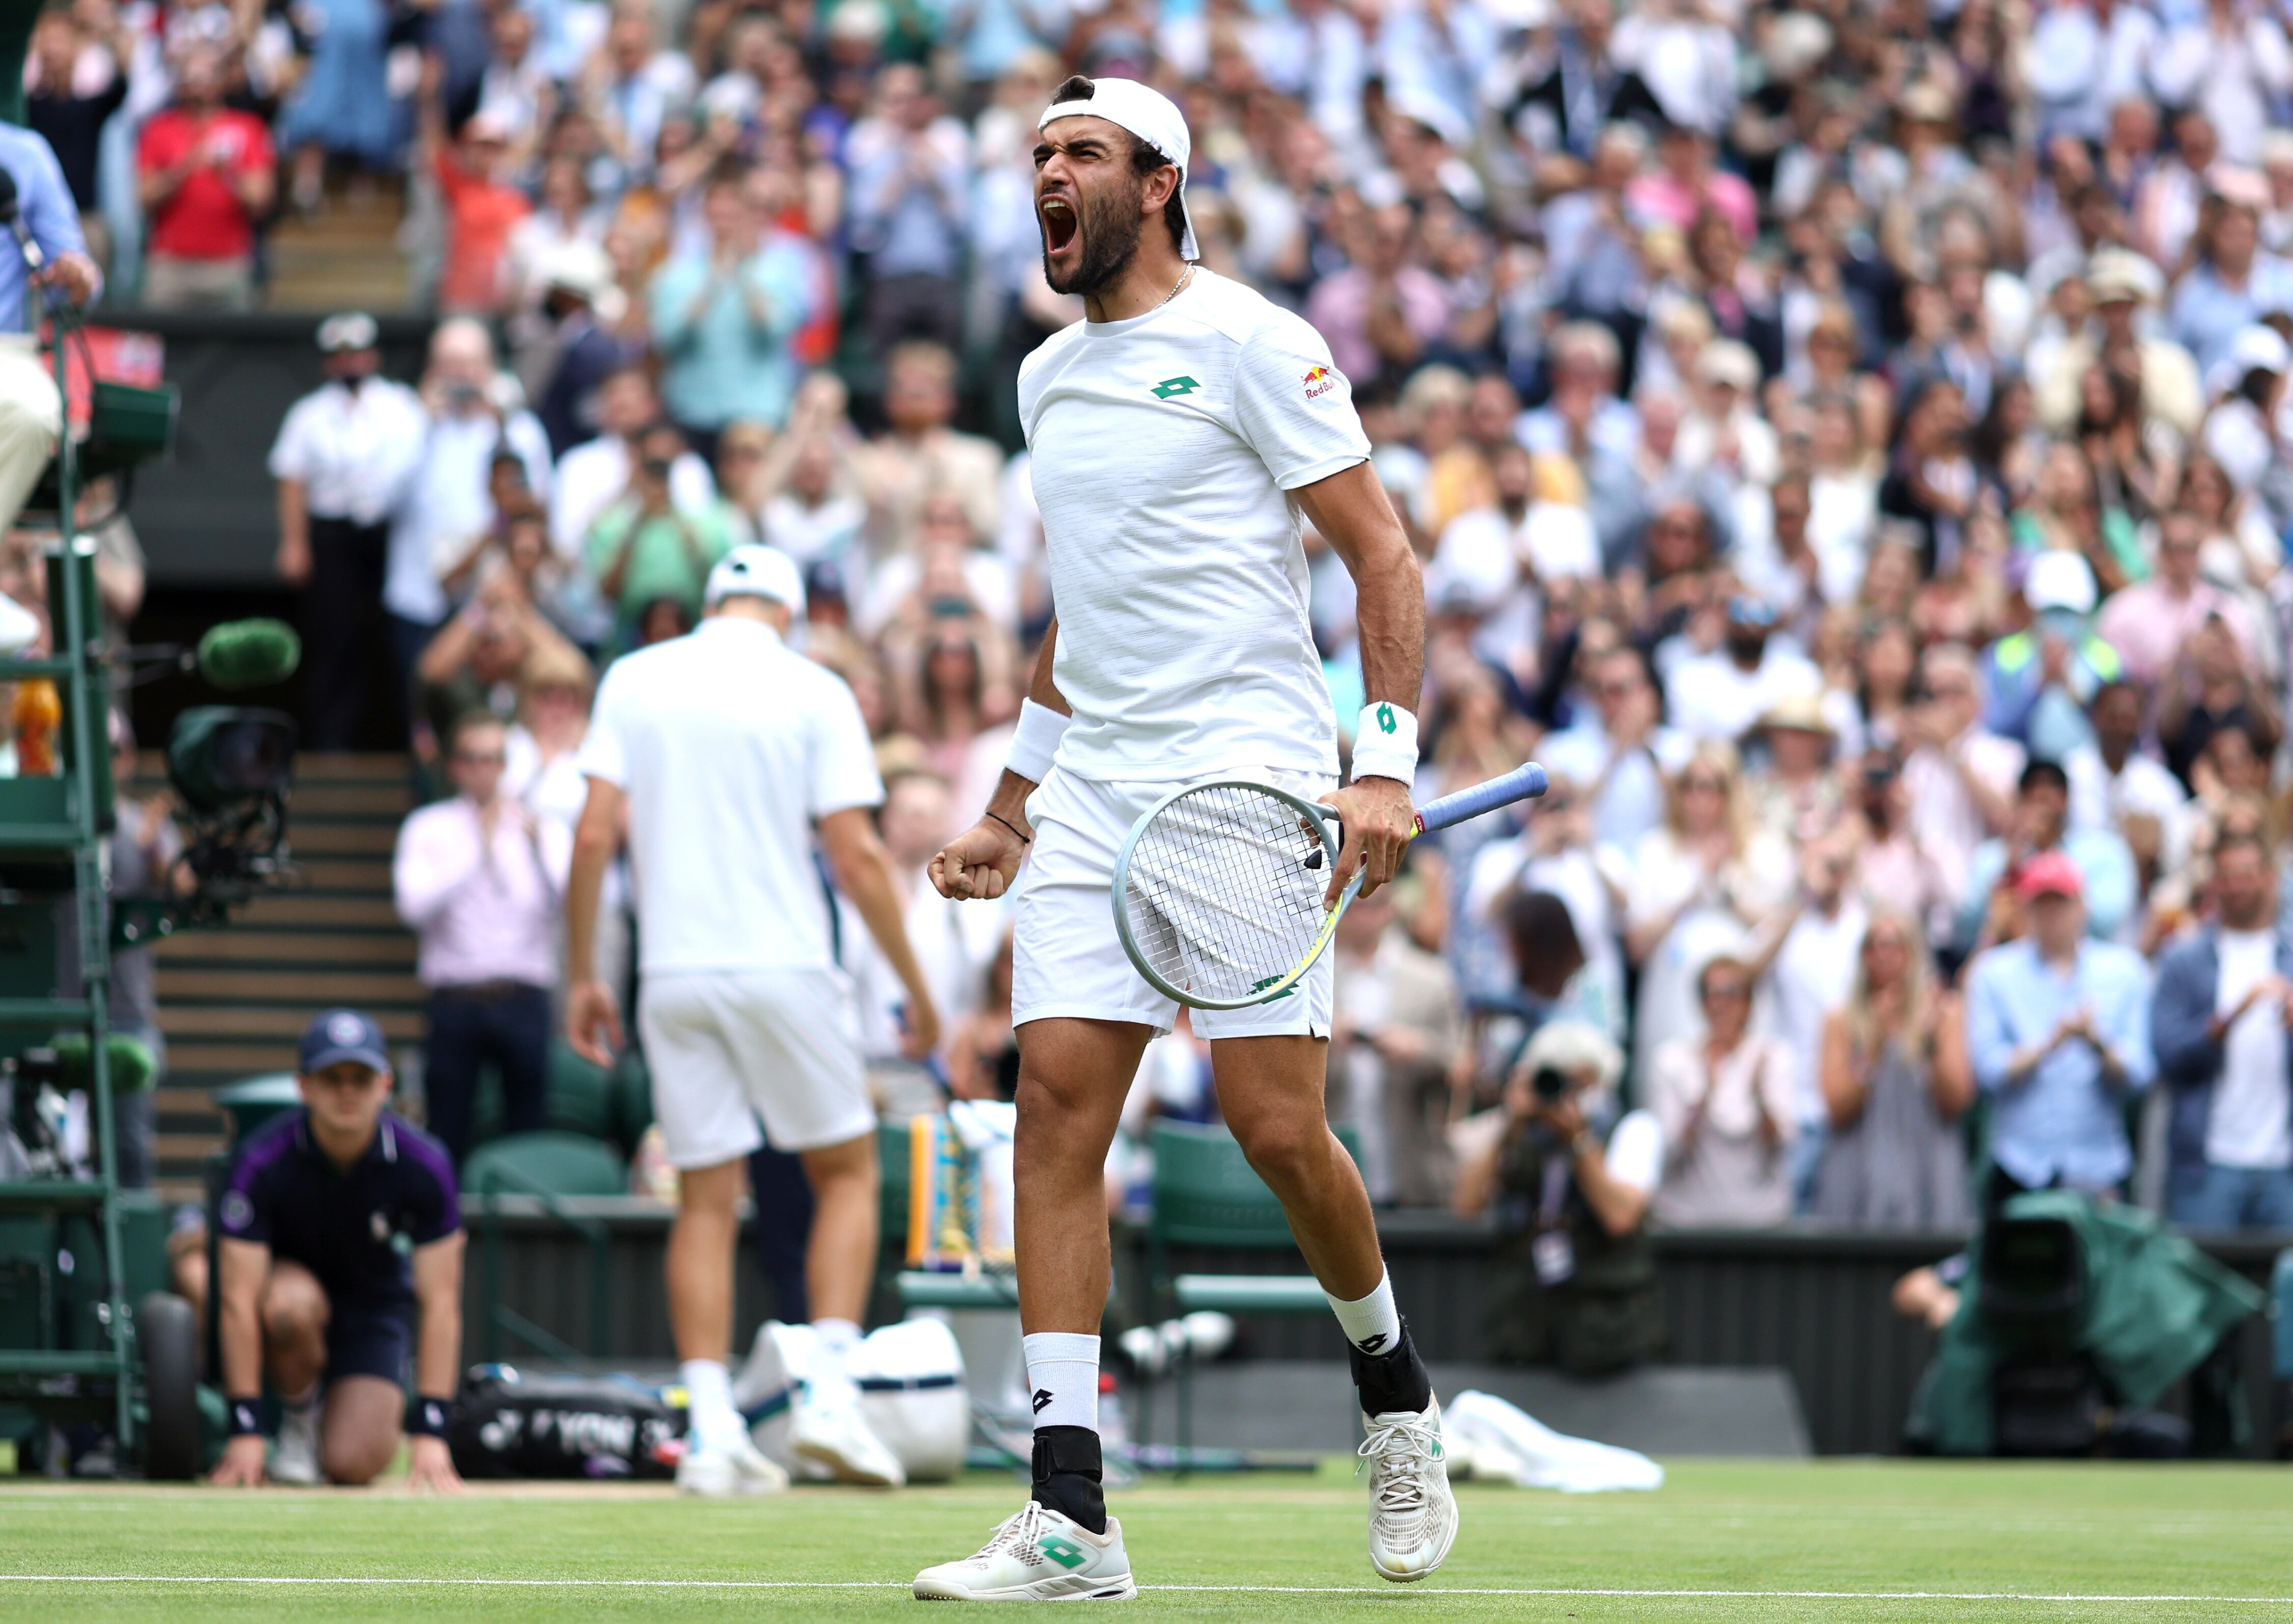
1220, 899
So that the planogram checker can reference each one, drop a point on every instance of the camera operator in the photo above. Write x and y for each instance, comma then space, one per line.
1575, 1281
340, 1227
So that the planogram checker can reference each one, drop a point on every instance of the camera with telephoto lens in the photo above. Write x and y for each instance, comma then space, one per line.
1551, 1083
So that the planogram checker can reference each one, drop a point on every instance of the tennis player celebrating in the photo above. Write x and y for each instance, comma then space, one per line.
1178, 434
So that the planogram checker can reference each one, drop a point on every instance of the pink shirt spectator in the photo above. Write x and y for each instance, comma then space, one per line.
1660, 200
1340, 306
484, 911
2148, 623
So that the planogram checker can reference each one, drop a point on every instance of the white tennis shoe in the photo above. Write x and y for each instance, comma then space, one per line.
827, 1428
720, 1473
1037, 1555
295, 1456
1413, 1514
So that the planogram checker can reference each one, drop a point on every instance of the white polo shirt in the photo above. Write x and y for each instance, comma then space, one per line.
729, 746
355, 452
1165, 448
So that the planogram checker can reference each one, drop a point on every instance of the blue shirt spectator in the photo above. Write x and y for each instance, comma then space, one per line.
2058, 1028
724, 323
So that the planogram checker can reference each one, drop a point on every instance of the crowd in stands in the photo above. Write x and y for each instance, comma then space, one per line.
1845, 444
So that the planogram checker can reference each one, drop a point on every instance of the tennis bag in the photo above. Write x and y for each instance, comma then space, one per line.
911, 1394
507, 1425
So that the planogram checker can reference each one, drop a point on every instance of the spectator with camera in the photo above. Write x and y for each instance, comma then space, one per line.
2058, 1029
2219, 1023
340, 1234
599, 472
647, 547
1575, 1281
476, 415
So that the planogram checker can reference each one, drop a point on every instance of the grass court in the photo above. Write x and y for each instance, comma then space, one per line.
1898, 1541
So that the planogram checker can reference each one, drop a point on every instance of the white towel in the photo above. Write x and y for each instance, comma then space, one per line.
1504, 1443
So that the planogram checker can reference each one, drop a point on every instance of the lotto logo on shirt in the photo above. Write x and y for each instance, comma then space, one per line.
1319, 382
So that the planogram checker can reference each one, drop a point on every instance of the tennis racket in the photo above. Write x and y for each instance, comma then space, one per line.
1218, 892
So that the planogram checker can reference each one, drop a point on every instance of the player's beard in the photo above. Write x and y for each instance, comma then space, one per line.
1108, 222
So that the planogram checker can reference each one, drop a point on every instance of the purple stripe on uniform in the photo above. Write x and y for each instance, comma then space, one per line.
428, 1154
269, 1147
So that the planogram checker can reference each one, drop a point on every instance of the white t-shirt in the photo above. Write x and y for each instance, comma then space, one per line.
729, 746
1164, 448
1634, 1154
2247, 1126
1814, 974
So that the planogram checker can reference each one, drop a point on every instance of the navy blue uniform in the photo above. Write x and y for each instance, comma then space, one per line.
355, 1231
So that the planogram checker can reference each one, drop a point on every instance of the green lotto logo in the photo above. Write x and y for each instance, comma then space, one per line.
1385, 722
1263, 982
1170, 386
1063, 1551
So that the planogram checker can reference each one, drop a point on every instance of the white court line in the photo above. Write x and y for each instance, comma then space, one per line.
891, 1584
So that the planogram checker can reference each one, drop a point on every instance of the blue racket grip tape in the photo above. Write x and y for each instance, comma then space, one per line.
1523, 783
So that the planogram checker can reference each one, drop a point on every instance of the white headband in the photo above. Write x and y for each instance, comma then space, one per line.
1153, 119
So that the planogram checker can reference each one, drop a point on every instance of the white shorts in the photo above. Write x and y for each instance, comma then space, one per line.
1066, 959
725, 1047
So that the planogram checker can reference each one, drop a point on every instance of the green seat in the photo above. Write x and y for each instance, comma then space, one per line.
256, 1101
580, 1094
546, 1164
923, 1288
1207, 1195
629, 1087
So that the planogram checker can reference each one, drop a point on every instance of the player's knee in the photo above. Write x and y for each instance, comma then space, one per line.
1045, 1098
295, 1306
1284, 1151
357, 1456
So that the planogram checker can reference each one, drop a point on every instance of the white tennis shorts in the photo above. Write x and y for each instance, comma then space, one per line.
725, 1047
1066, 959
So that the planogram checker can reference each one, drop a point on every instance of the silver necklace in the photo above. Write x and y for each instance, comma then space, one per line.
1175, 286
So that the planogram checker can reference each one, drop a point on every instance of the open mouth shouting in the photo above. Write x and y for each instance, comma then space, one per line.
1062, 230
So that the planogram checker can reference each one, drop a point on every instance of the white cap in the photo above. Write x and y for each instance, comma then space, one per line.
756, 570
2256, 349
2059, 580
1150, 115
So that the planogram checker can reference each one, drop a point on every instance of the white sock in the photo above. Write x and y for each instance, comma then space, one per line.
1372, 1324
834, 1342
716, 1425
1063, 1370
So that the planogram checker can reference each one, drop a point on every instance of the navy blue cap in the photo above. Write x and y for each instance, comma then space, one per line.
335, 1036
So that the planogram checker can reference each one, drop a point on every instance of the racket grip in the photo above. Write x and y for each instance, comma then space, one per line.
1523, 783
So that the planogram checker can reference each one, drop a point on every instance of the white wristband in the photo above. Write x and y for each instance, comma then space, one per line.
1036, 741
1385, 743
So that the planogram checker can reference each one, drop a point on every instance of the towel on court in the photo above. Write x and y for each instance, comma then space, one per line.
1501, 1443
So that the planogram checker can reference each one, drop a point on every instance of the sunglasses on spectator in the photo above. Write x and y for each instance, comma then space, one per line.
1717, 992
479, 758
1718, 786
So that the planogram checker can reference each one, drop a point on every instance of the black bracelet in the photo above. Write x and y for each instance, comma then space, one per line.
246, 1417
430, 1417
1025, 839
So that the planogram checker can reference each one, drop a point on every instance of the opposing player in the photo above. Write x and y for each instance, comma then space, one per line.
1178, 434
727, 751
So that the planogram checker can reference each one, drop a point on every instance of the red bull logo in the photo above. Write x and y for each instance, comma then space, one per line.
1320, 381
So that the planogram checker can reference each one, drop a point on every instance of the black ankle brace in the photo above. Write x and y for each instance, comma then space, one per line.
1395, 1380
1068, 1473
